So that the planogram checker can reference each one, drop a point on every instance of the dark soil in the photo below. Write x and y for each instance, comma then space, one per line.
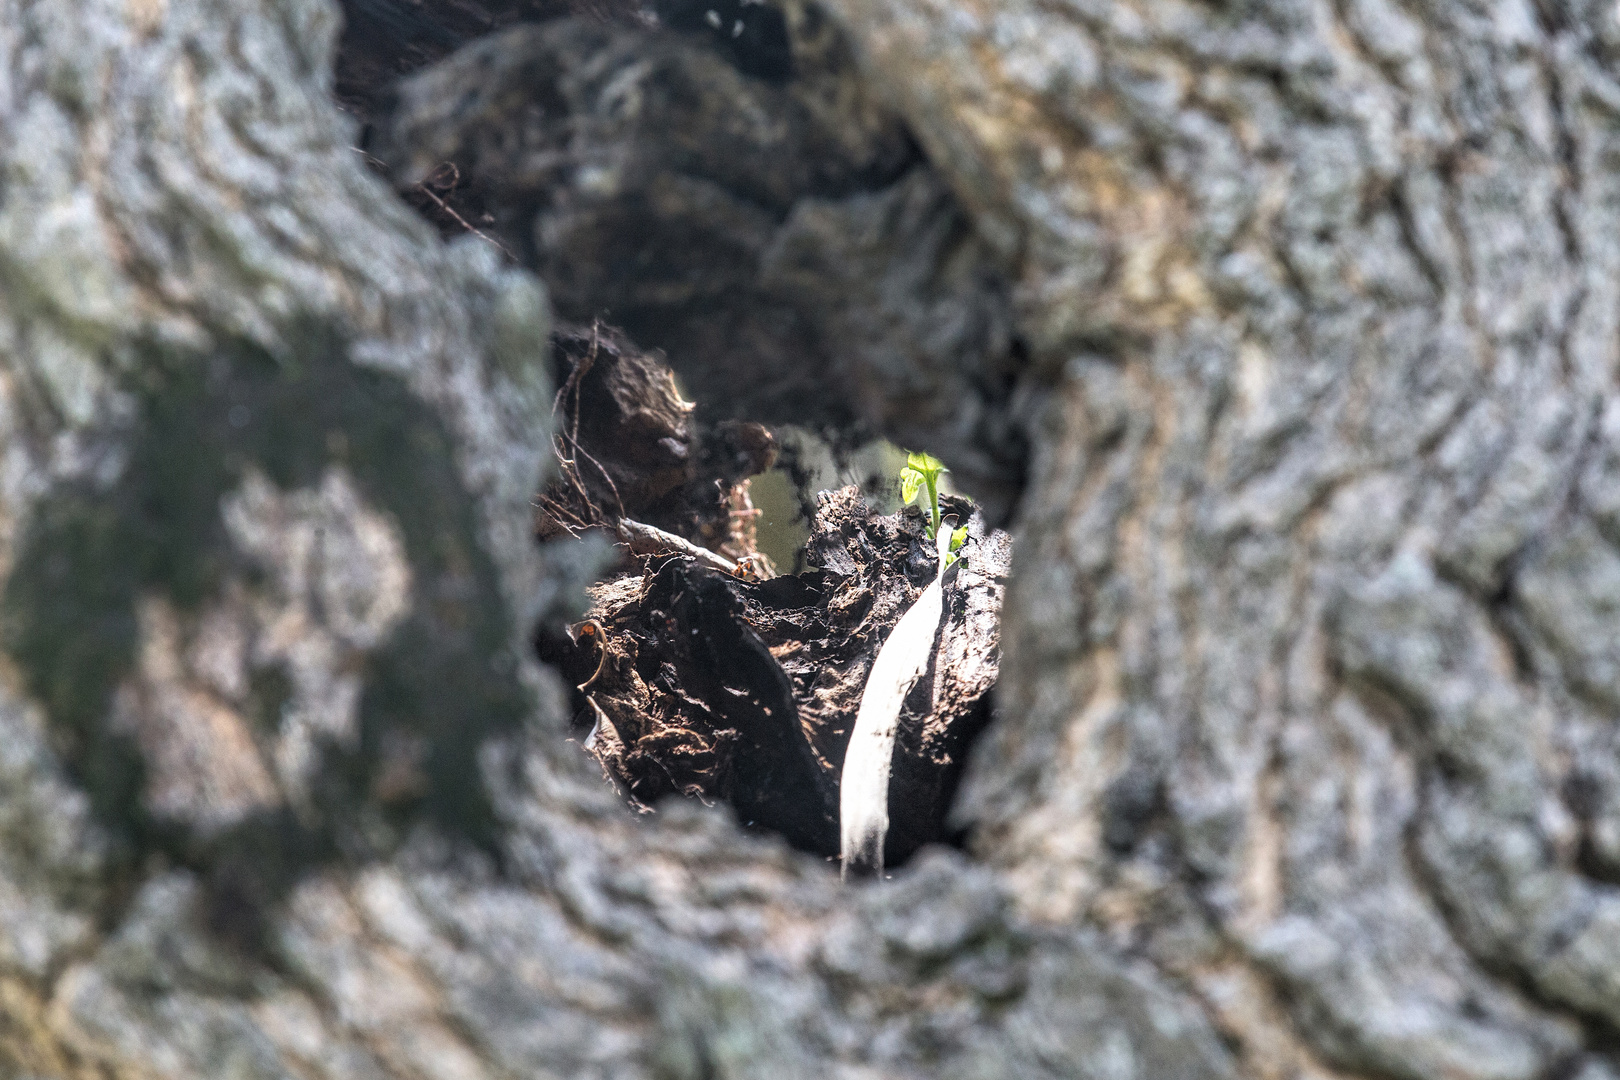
745, 692
690, 681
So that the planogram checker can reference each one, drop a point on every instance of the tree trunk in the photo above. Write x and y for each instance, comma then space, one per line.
1305, 764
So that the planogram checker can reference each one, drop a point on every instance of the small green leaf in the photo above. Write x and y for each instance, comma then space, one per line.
911, 482
924, 463
958, 538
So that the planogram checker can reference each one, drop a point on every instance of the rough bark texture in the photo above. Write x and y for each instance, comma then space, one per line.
1314, 577
1307, 760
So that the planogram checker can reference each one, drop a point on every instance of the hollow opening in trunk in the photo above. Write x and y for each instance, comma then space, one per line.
720, 207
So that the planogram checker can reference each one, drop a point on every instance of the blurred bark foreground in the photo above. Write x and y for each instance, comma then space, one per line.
1306, 764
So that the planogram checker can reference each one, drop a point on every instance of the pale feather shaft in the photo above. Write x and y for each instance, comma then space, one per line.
863, 797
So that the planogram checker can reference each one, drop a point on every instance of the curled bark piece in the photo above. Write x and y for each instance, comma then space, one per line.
651, 540
863, 794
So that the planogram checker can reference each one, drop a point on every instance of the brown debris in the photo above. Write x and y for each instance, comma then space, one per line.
631, 447
744, 692
705, 676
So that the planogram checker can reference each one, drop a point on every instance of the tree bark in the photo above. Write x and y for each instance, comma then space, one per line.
1306, 760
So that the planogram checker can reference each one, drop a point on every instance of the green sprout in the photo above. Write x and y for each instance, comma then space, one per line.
923, 470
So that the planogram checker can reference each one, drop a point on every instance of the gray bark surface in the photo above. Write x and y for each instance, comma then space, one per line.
1306, 764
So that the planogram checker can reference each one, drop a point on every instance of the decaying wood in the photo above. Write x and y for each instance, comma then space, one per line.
746, 692
839, 283
636, 458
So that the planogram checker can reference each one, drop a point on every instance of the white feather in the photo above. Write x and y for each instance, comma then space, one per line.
863, 795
